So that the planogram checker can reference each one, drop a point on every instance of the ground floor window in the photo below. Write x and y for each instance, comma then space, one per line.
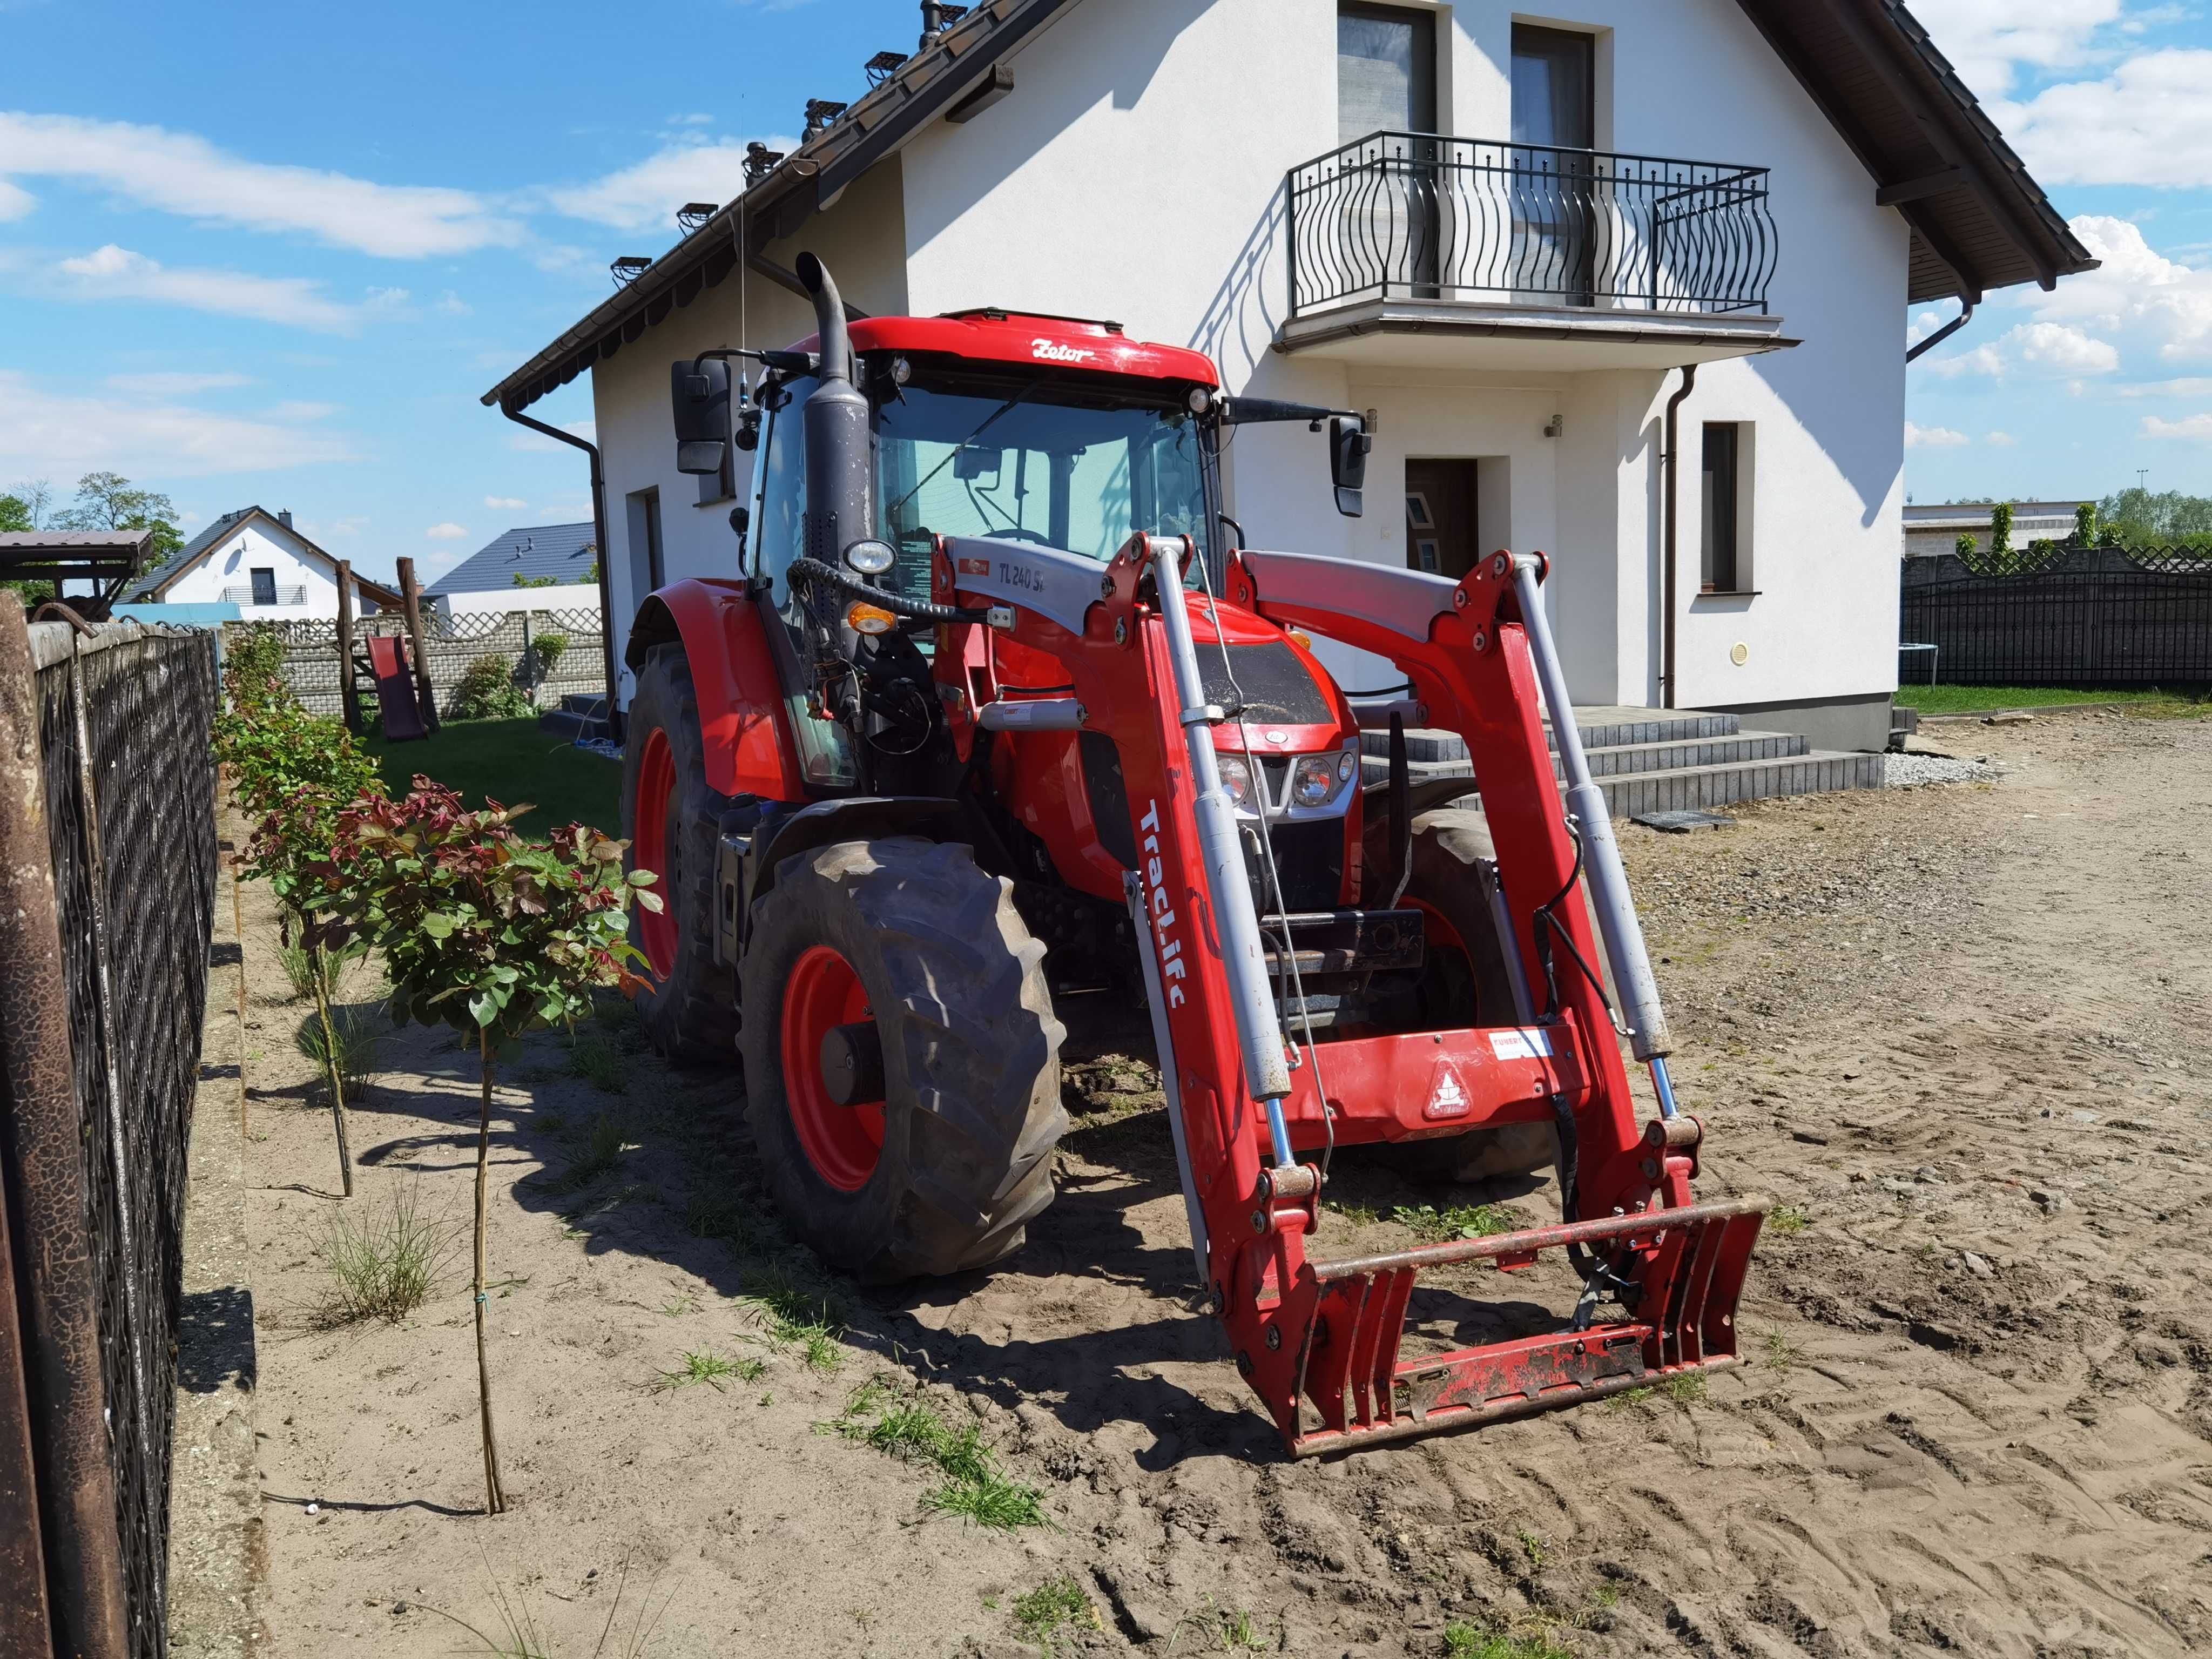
1723, 556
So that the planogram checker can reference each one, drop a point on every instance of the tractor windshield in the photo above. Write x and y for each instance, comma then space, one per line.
1043, 459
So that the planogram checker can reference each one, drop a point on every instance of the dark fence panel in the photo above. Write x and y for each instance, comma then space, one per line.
122, 718
2076, 616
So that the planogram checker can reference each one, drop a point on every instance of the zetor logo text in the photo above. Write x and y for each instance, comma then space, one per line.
1052, 351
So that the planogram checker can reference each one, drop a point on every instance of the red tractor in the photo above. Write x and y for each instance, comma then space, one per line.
997, 731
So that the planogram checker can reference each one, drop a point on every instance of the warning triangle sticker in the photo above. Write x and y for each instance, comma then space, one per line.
1448, 1095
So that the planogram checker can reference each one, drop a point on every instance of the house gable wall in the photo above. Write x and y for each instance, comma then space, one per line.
258, 543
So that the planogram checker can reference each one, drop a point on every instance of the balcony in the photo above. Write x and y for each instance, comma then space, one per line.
1415, 249
248, 596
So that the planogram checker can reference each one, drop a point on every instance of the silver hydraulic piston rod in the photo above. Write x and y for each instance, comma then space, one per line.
1648, 1036
1228, 887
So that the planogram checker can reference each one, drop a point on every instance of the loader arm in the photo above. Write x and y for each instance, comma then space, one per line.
1318, 1341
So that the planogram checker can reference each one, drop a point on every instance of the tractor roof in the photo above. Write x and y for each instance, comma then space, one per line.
1014, 337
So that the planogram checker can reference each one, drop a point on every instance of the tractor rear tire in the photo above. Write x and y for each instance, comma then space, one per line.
945, 1172
689, 1006
1465, 987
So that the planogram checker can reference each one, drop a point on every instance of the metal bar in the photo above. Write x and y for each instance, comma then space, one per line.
25, 1631
1608, 881
1156, 1001
1228, 887
44, 1165
1539, 1238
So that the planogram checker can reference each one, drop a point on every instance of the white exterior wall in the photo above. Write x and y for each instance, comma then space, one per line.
1136, 173
260, 545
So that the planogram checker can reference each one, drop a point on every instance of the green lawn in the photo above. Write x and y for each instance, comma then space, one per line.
1975, 699
511, 762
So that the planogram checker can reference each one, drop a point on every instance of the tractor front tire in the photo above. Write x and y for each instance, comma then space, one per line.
673, 821
1466, 986
944, 1171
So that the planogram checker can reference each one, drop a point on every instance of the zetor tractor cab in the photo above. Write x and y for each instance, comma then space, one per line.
996, 728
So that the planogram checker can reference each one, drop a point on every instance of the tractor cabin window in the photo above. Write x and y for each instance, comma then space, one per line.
1724, 545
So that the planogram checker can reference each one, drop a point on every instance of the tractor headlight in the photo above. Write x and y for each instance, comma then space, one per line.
1236, 779
871, 558
1313, 780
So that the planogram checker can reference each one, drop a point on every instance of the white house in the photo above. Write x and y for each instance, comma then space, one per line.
261, 562
1531, 247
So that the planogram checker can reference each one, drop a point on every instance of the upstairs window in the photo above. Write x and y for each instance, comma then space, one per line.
1554, 87
264, 586
1386, 70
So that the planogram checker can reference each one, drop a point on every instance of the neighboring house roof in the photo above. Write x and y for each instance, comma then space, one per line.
565, 552
1978, 221
151, 587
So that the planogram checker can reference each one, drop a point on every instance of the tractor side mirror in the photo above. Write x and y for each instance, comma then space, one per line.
971, 464
1348, 444
699, 397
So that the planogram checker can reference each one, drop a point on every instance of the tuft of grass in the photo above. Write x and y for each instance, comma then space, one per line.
1686, 1387
1466, 1641
743, 1227
1359, 1215
519, 1637
1982, 699
1533, 1546
1052, 1608
1628, 1397
1435, 1225
793, 1315
1223, 1630
973, 1485
1781, 1353
382, 1265
700, 1365
1787, 1219
599, 1063
602, 1150
360, 1037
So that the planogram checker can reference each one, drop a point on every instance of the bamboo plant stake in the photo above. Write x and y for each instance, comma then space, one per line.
495, 1495
322, 977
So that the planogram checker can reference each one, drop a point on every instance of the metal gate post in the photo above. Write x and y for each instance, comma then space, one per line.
43, 1157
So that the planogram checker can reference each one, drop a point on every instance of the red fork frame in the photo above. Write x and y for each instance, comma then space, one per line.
1319, 1341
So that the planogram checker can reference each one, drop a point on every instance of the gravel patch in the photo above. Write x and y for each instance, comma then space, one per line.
1913, 771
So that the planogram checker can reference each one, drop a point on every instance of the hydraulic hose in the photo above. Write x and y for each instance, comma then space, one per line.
897, 604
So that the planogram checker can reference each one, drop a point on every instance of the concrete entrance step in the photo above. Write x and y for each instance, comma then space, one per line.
1690, 787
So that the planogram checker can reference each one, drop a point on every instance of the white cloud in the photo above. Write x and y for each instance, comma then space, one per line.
2137, 291
2191, 386
447, 532
181, 172
505, 503
1933, 437
117, 273
171, 384
1984, 38
2149, 122
451, 304
2002, 439
2046, 350
2199, 427
536, 443
646, 195
61, 434
15, 203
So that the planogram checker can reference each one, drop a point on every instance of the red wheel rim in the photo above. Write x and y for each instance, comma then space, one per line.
841, 1142
650, 850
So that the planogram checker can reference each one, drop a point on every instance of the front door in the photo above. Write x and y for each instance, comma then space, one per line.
1440, 518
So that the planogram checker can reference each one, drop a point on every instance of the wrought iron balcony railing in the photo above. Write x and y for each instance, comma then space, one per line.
1402, 215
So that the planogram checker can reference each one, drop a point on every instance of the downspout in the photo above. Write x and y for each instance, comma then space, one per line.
1966, 311
605, 559
1670, 461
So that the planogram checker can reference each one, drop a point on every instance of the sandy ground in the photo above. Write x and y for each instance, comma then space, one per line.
1959, 1031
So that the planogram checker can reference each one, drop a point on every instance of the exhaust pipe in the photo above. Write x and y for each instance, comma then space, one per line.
837, 418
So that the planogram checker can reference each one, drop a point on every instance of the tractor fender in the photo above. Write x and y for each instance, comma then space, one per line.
744, 726
749, 862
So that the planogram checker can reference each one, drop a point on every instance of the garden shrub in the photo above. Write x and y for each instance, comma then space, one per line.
487, 691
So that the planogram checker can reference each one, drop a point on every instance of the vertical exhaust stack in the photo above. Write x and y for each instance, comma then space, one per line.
837, 418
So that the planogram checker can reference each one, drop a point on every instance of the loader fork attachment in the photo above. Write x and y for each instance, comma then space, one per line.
1682, 1269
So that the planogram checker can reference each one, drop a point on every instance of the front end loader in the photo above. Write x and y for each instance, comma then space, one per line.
993, 730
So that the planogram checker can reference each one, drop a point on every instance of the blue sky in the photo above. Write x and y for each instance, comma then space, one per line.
275, 255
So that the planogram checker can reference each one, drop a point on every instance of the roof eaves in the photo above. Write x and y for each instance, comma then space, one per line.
881, 121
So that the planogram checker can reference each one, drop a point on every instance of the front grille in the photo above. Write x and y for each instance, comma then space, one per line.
1310, 858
